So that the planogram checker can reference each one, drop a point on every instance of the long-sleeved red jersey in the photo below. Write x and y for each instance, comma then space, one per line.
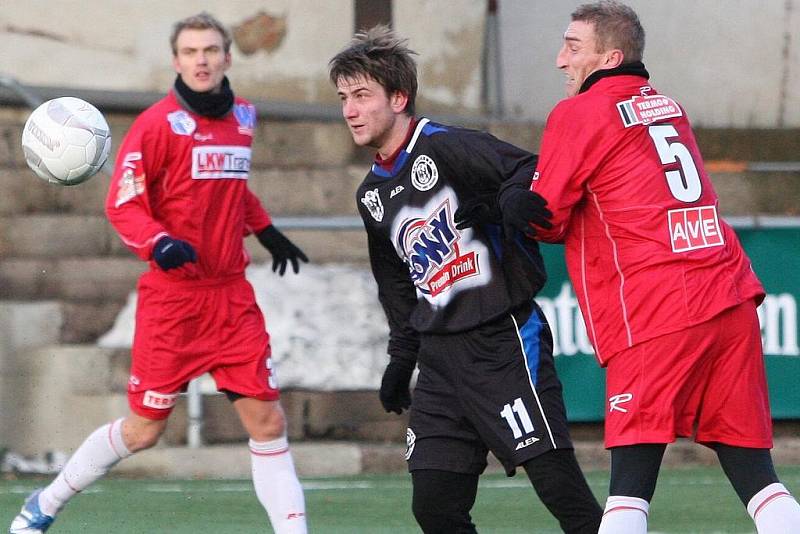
185, 175
646, 249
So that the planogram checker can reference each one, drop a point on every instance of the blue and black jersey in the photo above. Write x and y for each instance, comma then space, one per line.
433, 278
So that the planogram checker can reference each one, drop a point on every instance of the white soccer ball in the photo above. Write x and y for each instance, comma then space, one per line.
66, 141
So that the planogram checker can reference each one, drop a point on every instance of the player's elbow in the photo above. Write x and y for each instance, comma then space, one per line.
551, 235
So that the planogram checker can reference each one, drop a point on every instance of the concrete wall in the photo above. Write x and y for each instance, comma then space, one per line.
281, 48
731, 63
728, 64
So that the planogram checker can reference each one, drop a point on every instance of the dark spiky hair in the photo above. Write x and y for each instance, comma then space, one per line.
382, 56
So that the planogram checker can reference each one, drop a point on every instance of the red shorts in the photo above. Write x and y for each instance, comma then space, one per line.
707, 381
188, 328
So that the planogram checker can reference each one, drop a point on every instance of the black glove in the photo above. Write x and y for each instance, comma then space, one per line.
282, 249
394, 393
477, 211
520, 206
170, 253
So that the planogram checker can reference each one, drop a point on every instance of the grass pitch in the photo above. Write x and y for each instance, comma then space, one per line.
696, 500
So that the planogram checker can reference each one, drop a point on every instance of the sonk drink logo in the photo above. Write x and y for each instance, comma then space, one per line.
430, 248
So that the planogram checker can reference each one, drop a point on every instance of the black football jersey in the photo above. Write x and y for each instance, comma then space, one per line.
433, 278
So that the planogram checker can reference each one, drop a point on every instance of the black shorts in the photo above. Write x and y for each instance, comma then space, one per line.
493, 388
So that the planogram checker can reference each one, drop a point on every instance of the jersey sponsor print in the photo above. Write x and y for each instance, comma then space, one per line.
439, 257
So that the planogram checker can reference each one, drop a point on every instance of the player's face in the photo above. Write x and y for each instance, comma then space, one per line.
578, 57
375, 118
201, 59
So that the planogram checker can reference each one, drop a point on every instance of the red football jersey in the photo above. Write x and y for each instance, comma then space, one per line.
646, 249
185, 175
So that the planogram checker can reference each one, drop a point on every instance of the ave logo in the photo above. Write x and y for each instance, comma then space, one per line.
694, 228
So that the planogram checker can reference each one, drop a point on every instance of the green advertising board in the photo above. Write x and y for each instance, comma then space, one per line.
775, 253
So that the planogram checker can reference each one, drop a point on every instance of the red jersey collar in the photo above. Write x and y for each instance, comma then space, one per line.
386, 164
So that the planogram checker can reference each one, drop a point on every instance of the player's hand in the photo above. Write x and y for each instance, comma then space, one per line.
170, 253
477, 211
521, 207
394, 394
282, 250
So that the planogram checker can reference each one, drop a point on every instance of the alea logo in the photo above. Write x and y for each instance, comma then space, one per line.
430, 249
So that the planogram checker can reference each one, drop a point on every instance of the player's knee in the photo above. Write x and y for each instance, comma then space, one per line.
451, 518
441, 501
749, 470
144, 441
270, 426
139, 436
430, 520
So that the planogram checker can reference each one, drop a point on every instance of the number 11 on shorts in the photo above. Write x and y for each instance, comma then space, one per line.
517, 410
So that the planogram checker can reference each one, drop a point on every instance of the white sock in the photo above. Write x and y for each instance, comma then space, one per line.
774, 510
277, 487
99, 453
624, 515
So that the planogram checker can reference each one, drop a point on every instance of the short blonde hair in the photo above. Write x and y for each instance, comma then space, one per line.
201, 21
615, 26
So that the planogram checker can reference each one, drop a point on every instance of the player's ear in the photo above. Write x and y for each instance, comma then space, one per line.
613, 58
398, 101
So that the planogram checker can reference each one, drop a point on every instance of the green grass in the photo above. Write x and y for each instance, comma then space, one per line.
697, 500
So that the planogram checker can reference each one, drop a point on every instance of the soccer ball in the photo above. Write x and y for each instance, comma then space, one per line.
66, 141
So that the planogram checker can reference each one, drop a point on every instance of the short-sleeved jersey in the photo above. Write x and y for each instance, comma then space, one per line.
432, 277
646, 248
185, 175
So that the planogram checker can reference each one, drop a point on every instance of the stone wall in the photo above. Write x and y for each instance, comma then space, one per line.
64, 274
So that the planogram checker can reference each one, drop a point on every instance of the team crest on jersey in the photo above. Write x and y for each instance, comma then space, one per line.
130, 183
430, 248
181, 122
372, 200
424, 173
646, 109
411, 441
130, 186
246, 117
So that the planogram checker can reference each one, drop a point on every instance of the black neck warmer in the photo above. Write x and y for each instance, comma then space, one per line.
207, 104
635, 68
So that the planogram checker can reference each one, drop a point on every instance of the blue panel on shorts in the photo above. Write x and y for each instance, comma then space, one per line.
530, 332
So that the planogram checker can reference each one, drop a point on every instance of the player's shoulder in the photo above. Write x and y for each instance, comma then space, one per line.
163, 119
428, 131
158, 110
583, 105
443, 137
598, 105
238, 100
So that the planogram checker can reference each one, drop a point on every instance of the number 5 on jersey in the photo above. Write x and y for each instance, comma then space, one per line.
685, 183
